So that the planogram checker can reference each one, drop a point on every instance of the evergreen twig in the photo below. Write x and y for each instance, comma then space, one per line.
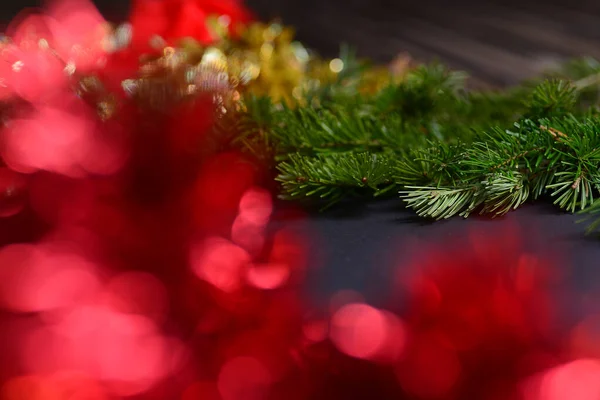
446, 150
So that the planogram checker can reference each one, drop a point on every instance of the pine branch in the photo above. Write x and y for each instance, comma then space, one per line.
334, 177
442, 202
552, 98
504, 169
450, 151
430, 104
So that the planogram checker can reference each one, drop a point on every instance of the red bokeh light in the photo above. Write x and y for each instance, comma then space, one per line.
37, 278
64, 141
78, 36
70, 33
362, 331
268, 276
579, 380
256, 206
220, 263
33, 74
123, 351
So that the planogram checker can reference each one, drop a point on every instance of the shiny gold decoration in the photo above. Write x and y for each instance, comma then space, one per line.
265, 60
183, 74
91, 89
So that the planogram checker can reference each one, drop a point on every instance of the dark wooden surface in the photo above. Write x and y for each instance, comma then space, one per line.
501, 42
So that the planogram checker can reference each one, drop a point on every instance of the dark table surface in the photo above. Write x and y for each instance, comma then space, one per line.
355, 247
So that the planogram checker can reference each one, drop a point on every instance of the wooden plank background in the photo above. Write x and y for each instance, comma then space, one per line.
501, 42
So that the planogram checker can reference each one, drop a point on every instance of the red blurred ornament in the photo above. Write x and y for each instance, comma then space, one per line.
13, 192
476, 327
173, 20
67, 36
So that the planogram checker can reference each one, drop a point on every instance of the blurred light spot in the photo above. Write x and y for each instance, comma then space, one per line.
120, 39
300, 52
87, 320
12, 192
220, 263
51, 140
247, 235
28, 28
256, 206
70, 68
17, 66
131, 363
80, 32
37, 279
268, 276
336, 65
138, 293
266, 50
576, 380
122, 350
362, 331
244, 378
30, 73
63, 141
430, 369
224, 20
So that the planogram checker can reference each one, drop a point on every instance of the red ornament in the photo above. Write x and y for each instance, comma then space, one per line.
177, 19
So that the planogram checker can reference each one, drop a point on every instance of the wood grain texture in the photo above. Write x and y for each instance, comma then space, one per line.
502, 42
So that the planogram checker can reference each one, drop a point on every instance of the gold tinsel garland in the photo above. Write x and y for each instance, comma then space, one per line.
263, 60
